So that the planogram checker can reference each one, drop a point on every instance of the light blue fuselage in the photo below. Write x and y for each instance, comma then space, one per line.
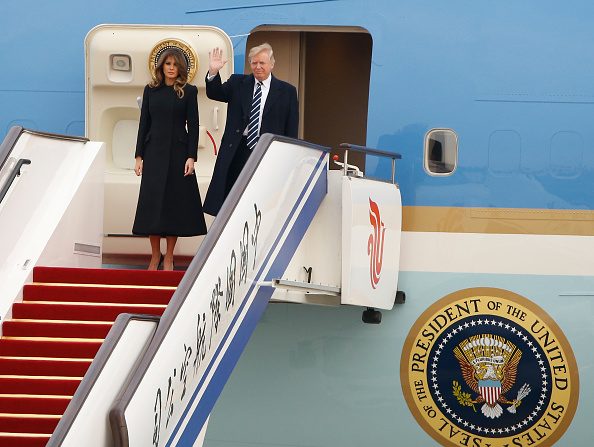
514, 80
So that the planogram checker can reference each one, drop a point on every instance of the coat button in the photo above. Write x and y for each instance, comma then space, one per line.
237, 131
230, 145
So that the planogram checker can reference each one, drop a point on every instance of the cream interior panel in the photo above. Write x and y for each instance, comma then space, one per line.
117, 69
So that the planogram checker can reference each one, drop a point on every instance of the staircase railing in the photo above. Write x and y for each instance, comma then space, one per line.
15, 132
37, 202
205, 328
14, 173
109, 371
8, 143
7, 146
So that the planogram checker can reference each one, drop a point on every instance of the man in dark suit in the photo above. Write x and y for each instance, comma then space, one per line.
257, 103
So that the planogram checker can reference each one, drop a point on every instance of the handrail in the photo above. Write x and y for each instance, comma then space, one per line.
370, 151
57, 136
16, 171
90, 378
8, 143
120, 431
16, 131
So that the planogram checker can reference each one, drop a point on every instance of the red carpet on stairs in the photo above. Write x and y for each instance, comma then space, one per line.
54, 333
107, 276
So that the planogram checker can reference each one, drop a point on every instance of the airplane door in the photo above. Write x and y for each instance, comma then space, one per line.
117, 61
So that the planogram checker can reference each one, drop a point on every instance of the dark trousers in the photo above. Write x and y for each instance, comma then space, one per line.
239, 160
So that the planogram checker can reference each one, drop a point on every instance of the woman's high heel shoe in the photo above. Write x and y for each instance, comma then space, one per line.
165, 267
159, 264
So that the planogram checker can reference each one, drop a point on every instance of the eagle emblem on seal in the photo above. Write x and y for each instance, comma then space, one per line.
489, 365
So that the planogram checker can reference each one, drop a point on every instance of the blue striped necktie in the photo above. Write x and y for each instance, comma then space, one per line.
252, 135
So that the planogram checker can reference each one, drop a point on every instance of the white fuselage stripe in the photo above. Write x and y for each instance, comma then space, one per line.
497, 253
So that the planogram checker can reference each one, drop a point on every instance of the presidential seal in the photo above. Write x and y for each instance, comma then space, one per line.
488, 368
188, 52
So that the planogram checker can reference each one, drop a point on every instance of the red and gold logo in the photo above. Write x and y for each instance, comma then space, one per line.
375, 244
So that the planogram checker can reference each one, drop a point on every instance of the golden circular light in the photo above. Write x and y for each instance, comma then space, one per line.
187, 50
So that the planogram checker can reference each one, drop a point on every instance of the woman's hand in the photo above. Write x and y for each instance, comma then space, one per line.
189, 168
138, 166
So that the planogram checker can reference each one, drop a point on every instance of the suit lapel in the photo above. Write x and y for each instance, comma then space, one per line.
247, 93
273, 95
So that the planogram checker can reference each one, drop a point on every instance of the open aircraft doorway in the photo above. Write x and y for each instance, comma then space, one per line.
118, 59
333, 93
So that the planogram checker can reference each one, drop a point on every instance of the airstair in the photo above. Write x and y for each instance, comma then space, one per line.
154, 381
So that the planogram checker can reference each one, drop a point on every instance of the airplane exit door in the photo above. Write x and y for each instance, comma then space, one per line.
117, 61
333, 91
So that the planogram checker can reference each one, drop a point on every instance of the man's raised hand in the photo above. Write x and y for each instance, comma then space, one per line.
215, 61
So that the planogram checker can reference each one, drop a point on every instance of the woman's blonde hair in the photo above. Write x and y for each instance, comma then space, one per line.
182, 71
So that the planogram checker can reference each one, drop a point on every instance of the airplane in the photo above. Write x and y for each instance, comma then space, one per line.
487, 106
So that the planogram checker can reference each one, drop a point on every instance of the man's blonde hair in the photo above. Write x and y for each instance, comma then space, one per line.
257, 50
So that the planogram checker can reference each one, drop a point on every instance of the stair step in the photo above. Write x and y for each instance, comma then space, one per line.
23, 440
28, 423
134, 295
56, 328
48, 347
27, 404
80, 311
106, 276
44, 366
46, 385
55, 332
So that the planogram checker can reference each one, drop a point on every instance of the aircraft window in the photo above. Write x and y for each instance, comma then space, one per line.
441, 151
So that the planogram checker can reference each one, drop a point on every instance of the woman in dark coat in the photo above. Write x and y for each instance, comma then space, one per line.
169, 203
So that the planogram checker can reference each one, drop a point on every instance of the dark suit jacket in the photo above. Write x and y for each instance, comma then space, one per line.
280, 116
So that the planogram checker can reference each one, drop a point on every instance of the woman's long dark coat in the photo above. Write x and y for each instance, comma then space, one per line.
169, 204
